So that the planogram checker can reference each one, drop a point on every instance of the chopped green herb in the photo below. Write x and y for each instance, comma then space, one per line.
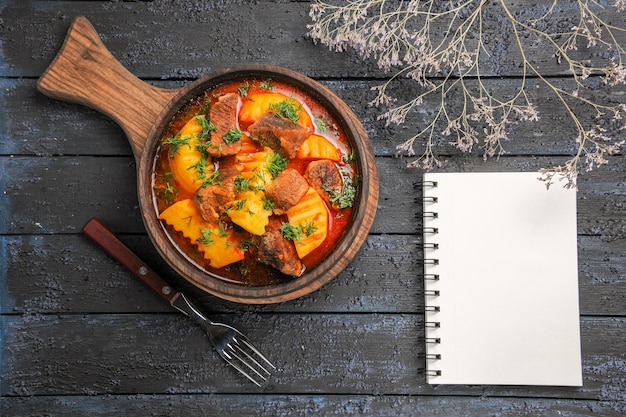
245, 244
322, 124
267, 84
206, 239
211, 179
233, 135
349, 157
267, 204
308, 228
175, 142
241, 183
289, 231
244, 89
169, 193
166, 191
286, 109
343, 199
207, 127
239, 205
292, 232
206, 105
277, 164
202, 146
221, 229
200, 168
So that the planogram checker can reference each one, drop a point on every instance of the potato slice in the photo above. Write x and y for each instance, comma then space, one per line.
187, 162
216, 244
318, 147
309, 214
249, 212
257, 104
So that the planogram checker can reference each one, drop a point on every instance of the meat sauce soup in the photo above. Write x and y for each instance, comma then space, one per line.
254, 182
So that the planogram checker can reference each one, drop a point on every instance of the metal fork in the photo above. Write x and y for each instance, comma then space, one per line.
230, 343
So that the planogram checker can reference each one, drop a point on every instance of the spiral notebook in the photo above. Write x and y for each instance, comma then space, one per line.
501, 280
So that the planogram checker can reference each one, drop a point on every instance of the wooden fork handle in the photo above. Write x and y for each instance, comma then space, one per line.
104, 237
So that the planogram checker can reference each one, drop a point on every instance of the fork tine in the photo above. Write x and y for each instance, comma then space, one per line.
253, 348
238, 348
238, 362
242, 360
235, 365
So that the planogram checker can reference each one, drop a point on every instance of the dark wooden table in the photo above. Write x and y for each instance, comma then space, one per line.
82, 336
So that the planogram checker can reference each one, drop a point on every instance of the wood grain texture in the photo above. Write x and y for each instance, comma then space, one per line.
276, 35
69, 129
325, 354
118, 250
82, 336
281, 405
65, 274
106, 187
85, 72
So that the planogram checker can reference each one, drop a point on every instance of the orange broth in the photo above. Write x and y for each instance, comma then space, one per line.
166, 191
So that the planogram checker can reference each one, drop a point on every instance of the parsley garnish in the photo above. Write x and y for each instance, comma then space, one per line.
267, 204
292, 232
221, 229
211, 179
206, 104
349, 157
276, 164
245, 244
241, 183
267, 84
239, 205
166, 192
286, 109
244, 184
207, 127
322, 124
206, 239
233, 135
343, 199
289, 231
243, 89
175, 142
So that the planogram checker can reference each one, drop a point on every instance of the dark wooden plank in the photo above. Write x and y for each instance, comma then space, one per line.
80, 335
315, 354
34, 124
164, 40
60, 194
67, 273
50, 274
294, 405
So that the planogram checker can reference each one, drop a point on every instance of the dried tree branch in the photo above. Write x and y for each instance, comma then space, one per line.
400, 37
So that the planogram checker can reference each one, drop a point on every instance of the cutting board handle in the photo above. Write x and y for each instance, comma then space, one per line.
85, 72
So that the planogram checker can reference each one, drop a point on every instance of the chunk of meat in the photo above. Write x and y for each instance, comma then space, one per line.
278, 252
286, 190
325, 178
282, 135
223, 115
212, 199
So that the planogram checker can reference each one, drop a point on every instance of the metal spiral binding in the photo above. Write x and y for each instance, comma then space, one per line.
432, 372
429, 294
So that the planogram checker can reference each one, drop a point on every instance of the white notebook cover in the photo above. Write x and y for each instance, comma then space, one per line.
508, 281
